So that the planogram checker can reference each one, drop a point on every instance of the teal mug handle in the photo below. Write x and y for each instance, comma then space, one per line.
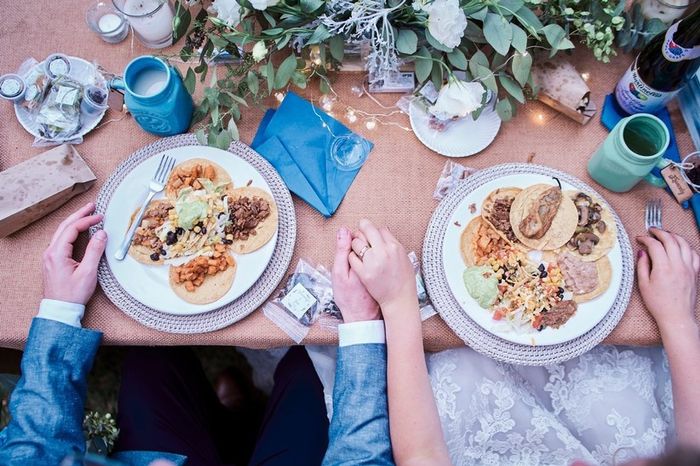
656, 180
117, 83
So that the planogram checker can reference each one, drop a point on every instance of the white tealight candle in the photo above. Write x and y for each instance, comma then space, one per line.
110, 25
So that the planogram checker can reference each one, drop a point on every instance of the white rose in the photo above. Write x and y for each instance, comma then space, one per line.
259, 51
263, 4
457, 99
227, 11
446, 22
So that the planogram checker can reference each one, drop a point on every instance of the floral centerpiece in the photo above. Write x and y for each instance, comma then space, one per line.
282, 43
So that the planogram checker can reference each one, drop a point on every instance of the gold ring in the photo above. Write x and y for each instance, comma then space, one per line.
363, 251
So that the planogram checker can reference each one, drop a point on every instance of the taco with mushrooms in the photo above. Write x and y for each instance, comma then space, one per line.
146, 246
196, 174
496, 211
595, 231
252, 218
204, 279
543, 218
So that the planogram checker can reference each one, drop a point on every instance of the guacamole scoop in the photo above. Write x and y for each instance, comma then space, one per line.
481, 284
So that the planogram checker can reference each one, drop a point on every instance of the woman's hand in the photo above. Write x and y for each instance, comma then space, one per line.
349, 293
667, 273
383, 267
65, 279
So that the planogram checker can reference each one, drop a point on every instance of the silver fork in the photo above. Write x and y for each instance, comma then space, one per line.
652, 214
156, 185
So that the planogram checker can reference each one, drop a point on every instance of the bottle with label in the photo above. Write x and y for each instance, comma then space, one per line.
662, 68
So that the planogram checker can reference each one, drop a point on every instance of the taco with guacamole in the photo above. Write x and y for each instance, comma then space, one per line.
543, 218
196, 174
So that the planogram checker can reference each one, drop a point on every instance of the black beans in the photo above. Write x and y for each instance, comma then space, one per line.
540, 328
155, 256
204, 230
543, 274
541, 268
170, 238
227, 241
179, 231
162, 252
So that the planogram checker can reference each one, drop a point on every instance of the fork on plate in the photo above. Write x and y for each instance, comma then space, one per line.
156, 185
652, 214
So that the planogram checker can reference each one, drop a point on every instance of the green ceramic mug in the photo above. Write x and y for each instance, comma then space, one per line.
631, 151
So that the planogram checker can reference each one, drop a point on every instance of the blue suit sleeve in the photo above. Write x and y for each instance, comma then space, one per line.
359, 430
47, 405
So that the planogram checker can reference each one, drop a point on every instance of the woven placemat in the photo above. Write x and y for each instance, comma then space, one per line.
472, 333
248, 301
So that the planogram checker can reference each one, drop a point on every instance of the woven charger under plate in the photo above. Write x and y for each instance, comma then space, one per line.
248, 301
472, 333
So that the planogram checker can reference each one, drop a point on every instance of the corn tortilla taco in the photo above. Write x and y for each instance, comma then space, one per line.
187, 174
251, 206
206, 286
595, 232
145, 246
496, 211
479, 240
554, 212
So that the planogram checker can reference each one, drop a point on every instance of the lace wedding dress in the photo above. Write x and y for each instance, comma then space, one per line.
606, 407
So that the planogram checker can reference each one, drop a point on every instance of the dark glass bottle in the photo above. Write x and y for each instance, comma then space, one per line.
661, 68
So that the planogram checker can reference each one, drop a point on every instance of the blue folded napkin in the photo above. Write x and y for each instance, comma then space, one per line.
293, 139
612, 113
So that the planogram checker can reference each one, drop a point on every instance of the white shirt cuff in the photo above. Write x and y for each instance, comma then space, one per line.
61, 311
361, 333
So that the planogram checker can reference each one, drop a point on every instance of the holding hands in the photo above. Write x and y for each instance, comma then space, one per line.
66, 279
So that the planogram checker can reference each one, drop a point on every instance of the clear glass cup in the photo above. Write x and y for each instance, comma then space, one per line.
152, 20
108, 23
349, 151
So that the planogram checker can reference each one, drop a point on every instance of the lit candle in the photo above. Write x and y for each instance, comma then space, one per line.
152, 21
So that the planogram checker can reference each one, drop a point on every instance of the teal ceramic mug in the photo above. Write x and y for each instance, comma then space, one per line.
631, 151
156, 96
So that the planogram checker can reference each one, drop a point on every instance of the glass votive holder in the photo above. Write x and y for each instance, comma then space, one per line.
152, 20
107, 22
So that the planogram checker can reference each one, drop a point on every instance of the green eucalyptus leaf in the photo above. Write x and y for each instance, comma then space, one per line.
337, 47
498, 61
473, 33
223, 140
215, 115
437, 76
323, 86
435, 43
190, 81
218, 41
285, 71
232, 129
181, 22
498, 33
478, 59
529, 19
424, 64
320, 35
509, 6
486, 76
267, 16
457, 59
269, 70
522, 63
504, 109
211, 137
309, 6
479, 15
201, 136
519, 38
556, 36
299, 79
407, 41
252, 82
282, 41
240, 100
512, 87
273, 32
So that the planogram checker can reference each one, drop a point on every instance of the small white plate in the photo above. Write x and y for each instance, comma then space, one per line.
462, 138
148, 284
81, 71
587, 315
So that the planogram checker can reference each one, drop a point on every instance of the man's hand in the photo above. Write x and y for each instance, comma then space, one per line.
65, 279
351, 296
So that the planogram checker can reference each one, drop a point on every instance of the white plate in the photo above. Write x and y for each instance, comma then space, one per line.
149, 284
462, 138
587, 315
81, 71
